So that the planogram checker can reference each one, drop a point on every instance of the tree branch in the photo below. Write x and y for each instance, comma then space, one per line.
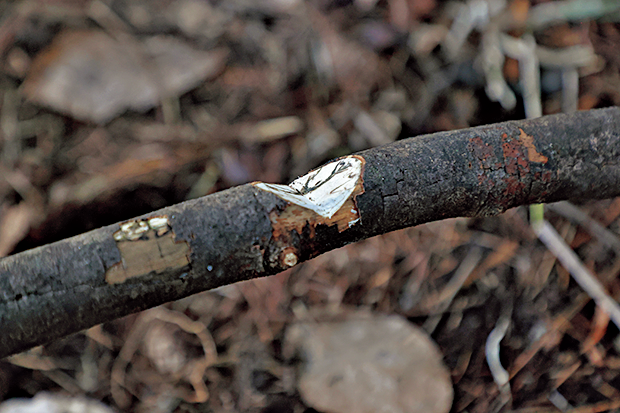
259, 229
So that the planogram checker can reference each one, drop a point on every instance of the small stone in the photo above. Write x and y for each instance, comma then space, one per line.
376, 364
50, 403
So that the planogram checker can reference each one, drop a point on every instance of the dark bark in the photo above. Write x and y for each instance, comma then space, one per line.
240, 233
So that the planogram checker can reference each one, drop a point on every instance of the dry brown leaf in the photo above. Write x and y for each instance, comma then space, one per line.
180, 67
93, 77
90, 76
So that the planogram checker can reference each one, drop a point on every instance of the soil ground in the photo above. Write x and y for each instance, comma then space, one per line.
190, 97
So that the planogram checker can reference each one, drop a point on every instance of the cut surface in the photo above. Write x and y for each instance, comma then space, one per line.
323, 190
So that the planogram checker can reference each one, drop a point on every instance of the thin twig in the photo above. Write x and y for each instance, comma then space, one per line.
547, 234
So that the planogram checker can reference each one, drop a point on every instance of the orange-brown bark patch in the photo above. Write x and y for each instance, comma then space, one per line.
295, 217
532, 153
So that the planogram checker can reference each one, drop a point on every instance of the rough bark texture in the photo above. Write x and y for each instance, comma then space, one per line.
240, 233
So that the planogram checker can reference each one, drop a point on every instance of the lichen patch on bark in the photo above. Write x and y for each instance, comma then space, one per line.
146, 246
